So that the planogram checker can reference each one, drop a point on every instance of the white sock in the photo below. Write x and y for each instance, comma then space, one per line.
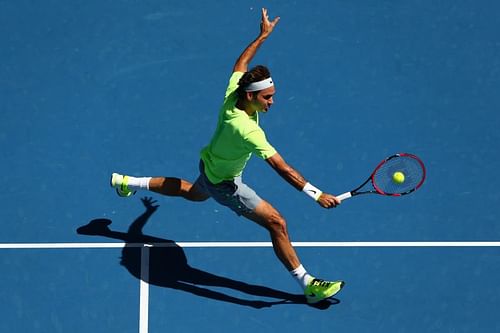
138, 183
301, 275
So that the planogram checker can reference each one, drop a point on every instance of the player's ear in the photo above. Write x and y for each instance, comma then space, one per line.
249, 96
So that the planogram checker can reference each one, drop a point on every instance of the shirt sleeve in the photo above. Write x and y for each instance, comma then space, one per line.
258, 144
233, 83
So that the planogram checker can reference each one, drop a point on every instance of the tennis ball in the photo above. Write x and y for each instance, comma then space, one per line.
398, 177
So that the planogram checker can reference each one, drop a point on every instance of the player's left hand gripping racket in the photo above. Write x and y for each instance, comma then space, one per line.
397, 175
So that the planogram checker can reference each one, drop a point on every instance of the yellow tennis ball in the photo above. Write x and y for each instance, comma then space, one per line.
398, 177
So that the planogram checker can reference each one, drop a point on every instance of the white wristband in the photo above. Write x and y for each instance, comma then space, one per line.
312, 191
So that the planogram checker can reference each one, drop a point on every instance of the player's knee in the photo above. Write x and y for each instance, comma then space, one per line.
277, 225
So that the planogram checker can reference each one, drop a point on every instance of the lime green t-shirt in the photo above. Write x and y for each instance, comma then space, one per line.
237, 136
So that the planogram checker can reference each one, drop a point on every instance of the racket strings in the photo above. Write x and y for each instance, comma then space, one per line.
412, 169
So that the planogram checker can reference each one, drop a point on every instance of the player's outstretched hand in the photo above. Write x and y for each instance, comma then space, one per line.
266, 26
328, 201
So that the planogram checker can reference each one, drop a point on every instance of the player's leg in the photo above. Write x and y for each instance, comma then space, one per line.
170, 186
315, 290
177, 187
268, 217
244, 201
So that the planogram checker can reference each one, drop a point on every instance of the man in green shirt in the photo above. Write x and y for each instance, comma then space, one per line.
238, 136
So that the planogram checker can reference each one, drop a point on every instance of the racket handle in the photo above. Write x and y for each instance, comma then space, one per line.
344, 196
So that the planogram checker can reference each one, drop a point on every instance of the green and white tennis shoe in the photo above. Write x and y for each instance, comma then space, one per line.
318, 290
120, 182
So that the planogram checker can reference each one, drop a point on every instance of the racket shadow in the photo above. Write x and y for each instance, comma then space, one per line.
169, 268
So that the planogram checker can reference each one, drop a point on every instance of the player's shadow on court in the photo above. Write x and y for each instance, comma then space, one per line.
169, 268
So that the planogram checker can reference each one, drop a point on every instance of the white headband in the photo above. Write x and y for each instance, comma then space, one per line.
260, 85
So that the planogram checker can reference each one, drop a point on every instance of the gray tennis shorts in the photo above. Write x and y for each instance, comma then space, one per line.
234, 194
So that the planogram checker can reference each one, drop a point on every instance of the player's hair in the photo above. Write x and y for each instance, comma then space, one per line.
257, 73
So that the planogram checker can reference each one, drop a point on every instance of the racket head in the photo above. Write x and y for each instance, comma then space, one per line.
410, 165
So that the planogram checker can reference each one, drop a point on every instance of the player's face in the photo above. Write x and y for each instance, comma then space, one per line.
263, 99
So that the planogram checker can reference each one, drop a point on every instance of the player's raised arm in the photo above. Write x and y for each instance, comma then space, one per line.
266, 28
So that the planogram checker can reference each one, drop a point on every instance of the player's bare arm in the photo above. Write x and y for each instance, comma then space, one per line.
294, 178
266, 28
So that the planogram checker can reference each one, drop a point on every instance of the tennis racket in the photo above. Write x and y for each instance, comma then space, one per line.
384, 181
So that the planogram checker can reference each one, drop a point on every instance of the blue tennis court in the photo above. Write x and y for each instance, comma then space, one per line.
88, 88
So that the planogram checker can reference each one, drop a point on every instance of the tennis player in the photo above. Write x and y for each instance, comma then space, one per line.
237, 137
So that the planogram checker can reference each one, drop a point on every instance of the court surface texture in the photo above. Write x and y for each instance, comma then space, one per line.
91, 87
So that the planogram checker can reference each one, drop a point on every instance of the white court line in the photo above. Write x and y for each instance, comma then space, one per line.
144, 292
247, 244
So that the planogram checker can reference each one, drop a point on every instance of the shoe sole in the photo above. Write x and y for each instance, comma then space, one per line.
111, 182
